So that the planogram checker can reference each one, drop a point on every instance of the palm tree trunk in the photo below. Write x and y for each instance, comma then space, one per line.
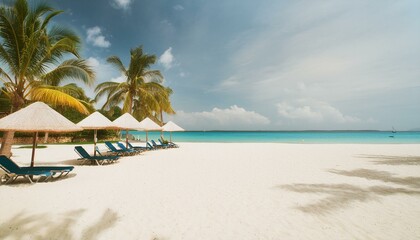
35, 139
46, 137
6, 144
7, 141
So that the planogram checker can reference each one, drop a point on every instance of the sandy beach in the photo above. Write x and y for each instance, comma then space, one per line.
222, 191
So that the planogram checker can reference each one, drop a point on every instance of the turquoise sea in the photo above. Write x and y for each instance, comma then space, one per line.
381, 137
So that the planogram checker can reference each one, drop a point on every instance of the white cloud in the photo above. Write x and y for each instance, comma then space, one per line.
104, 73
119, 79
93, 62
232, 118
121, 4
229, 82
360, 56
95, 37
309, 111
167, 59
179, 7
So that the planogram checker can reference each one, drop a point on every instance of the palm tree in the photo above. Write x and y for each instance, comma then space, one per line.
164, 105
141, 91
5, 105
31, 53
154, 105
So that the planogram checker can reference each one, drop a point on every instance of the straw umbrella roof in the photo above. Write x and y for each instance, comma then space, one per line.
149, 125
96, 121
127, 121
172, 127
37, 117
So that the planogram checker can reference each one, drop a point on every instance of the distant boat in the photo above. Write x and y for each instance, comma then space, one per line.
393, 132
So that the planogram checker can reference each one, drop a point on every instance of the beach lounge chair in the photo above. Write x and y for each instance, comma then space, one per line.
57, 171
119, 152
158, 146
98, 151
99, 160
132, 151
150, 145
169, 144
138, 147
103, 153
13, 171
161, 143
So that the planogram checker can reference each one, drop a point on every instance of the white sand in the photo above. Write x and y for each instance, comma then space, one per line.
223, 191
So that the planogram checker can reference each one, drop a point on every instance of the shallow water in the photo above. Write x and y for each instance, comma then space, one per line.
288, 136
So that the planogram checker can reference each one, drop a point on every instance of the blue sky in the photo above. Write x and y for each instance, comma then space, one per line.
266, 65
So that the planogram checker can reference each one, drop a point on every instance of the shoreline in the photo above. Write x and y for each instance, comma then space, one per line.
289, 137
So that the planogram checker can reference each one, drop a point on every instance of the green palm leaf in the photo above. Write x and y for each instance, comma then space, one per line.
56, 97
142, 93
70, 69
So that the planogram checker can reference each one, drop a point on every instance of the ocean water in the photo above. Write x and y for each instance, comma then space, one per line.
381, 137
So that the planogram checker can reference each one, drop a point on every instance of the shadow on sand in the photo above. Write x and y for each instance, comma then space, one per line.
382, 176
338, 196
393, 160
42, 226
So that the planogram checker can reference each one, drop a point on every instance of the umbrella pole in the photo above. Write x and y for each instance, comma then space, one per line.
147, 138
33, 148
126, 138
95, 132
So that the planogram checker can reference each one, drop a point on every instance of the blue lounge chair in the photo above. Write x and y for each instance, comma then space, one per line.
99, 153
113, 149
13, 171
58, 171
99, 160
150, 145
132, 151
164, 145
138, 147
158, 146
169, 144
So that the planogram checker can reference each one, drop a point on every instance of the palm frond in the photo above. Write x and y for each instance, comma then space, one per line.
57, 98
4, 77
108, 87
49, 17
153, 76
76, 69
117, 63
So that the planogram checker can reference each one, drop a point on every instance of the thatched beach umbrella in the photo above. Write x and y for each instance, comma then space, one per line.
149, 125
94, 122
127, 122
37, 117
171, 127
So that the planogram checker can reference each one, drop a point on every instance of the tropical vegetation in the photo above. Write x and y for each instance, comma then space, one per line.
37, 57
142, 93
33, 63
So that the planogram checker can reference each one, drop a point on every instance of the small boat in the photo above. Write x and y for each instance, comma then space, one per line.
393, 132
